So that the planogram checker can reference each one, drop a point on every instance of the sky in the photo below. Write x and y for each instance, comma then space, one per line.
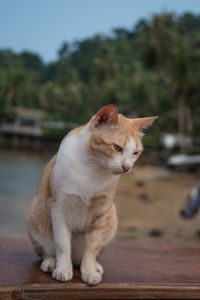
41, 26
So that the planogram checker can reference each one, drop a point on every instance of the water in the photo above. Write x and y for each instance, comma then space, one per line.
19, 176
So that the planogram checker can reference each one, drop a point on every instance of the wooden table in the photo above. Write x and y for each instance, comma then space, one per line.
133, 270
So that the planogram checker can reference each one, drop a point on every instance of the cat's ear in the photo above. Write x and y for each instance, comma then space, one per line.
107, 115
143, 123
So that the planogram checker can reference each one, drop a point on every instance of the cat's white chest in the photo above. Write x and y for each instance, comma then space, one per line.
84, 183
72, 175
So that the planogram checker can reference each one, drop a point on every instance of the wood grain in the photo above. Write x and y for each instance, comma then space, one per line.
133, 270
11, 293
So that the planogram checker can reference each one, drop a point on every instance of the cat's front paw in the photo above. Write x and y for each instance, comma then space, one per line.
92, 277
64, 274
99, 268
48, 264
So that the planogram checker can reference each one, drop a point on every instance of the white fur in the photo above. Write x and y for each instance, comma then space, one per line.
128, 157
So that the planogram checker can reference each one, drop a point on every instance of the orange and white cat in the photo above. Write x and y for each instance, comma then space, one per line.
73, 217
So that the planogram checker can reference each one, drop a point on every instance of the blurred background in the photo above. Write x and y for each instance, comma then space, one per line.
60, 61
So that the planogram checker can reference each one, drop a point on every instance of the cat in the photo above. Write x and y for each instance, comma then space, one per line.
73, 217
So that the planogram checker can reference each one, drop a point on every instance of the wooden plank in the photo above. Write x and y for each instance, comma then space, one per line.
10, 293
110, 292
133, 270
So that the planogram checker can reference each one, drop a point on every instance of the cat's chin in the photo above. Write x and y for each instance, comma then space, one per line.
117, 172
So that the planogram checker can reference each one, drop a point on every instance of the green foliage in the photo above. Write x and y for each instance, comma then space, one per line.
54, 135
151, 70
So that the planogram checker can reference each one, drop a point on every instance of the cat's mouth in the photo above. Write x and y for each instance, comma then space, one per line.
120, 171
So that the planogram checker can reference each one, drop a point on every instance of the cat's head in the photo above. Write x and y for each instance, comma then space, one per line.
116, 141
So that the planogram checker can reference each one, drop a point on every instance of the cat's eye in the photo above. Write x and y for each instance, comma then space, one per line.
136, 152
117, 147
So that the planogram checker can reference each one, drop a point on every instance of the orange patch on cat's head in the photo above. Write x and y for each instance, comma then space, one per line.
108, 127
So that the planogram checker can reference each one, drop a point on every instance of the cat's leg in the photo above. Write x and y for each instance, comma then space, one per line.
48, 264
78, 248
43, 244
45, 249
62, 240
101, 232
49, 260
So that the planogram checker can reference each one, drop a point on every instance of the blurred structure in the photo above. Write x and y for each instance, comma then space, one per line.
193, 202
26, 121
29, 127
172, 140
24, 128
183, 161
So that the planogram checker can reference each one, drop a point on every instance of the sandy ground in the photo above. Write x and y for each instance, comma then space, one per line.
149, 203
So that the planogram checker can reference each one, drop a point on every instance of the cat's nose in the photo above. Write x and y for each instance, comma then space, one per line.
126, 167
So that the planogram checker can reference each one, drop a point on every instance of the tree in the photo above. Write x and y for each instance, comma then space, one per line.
152, 69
